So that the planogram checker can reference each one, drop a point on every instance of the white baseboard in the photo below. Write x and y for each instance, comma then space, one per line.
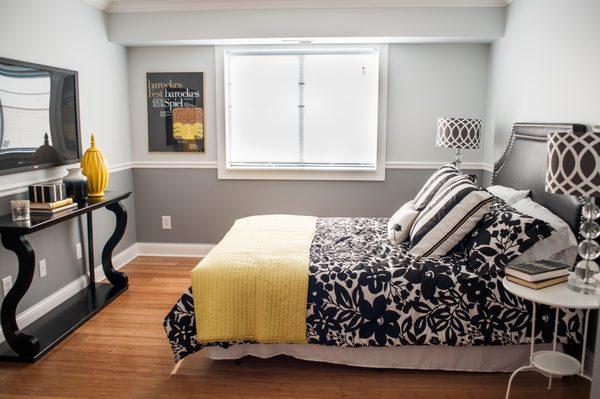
36, 311
173, 249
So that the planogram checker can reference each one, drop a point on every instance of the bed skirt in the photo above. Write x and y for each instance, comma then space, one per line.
427, 357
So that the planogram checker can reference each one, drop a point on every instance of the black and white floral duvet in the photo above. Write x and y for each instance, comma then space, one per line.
365, 291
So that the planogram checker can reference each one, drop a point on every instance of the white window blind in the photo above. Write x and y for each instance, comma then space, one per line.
302, 109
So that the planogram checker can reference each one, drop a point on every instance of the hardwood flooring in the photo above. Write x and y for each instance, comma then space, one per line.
123, 353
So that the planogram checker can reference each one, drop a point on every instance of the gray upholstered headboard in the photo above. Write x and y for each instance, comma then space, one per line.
523, 166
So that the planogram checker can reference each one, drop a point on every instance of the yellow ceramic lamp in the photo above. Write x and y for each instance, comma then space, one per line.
95, 167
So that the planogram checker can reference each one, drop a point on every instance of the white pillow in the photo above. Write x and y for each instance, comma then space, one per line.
507, 194
400, 223
453, 212
561, 246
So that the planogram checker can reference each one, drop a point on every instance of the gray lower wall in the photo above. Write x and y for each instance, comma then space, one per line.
203, 208
57, 245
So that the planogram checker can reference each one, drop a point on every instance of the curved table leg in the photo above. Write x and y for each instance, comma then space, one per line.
23, 344
116, 278
524, 368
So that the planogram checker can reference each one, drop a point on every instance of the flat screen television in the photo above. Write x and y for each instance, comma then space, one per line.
39, 117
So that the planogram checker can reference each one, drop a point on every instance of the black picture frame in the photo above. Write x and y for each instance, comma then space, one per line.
54, 69
175, 106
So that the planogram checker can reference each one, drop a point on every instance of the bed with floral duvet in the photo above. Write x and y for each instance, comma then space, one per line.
364, 291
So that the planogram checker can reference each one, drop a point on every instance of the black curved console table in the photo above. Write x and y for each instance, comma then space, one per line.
34, 341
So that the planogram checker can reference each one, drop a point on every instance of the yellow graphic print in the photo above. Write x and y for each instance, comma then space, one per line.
188, 123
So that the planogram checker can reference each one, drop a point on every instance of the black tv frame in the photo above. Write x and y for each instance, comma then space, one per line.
77, 117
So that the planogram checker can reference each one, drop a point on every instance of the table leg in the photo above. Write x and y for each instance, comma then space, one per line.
585, 330
23, 344
524, 368
532, 332
532, 347
90, 239
117, 279
556, 314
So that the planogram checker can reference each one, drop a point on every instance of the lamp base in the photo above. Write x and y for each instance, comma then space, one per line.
583, 285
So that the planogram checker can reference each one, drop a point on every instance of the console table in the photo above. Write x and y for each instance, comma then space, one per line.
34, 341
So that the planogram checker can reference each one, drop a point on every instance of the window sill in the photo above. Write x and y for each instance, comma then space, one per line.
225, 173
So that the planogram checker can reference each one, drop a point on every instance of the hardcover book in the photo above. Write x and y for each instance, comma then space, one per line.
539, 284
538, 270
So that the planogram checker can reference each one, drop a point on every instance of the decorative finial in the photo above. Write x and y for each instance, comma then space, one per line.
46, 140
93, 143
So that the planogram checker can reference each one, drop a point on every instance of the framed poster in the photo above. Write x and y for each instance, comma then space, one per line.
175, 111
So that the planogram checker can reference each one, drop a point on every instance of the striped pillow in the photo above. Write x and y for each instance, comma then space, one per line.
433, 184
453, 212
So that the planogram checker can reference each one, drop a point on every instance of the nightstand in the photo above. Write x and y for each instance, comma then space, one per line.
553, 363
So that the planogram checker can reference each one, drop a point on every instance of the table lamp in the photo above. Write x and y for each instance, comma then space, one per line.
458, 133
574, 169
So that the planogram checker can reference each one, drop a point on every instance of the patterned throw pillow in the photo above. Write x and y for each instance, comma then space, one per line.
501, 236
433, 185
451, 214
399, 224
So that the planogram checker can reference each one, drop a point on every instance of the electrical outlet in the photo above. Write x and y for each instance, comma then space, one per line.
43, 271
166, 222
78, 252
6, 284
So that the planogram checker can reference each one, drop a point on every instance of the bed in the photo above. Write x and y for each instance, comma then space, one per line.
370, 303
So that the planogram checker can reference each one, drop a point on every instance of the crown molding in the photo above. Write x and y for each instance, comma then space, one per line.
99, 4
125, 6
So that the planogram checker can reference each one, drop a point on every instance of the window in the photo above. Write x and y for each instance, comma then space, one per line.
303, 112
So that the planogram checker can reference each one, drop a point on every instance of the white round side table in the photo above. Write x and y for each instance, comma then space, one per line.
553, 363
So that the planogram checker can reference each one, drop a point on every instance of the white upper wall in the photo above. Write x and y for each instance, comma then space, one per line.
71, 34
482, 24
545, 68
425, 81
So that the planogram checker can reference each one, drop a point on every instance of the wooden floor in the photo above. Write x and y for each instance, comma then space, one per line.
123, 353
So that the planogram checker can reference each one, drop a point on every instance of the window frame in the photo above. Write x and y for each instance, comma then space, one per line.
298, 173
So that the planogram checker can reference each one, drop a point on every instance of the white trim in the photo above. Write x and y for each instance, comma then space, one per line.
434, 165
24, 179
99, 4
120, 166
227, 173
124, 6
174, 165
36, 311
173, 249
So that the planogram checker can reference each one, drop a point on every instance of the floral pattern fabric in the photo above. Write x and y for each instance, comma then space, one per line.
501, 236
365, 291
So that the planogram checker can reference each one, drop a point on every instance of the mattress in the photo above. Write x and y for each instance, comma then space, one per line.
366, 292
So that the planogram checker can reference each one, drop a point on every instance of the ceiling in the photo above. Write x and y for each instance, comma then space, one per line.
119, 6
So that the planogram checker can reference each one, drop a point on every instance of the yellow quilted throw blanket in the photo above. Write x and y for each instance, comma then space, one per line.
253, 285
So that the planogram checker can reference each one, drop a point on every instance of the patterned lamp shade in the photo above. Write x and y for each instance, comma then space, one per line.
574, 163
458, 133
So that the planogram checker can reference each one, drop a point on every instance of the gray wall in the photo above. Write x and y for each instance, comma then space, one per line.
203, 208
57, 245
482, 24
545, 68
70, 34
424, 81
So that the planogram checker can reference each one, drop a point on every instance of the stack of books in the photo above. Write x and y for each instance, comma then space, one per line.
538, 274
55, 208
